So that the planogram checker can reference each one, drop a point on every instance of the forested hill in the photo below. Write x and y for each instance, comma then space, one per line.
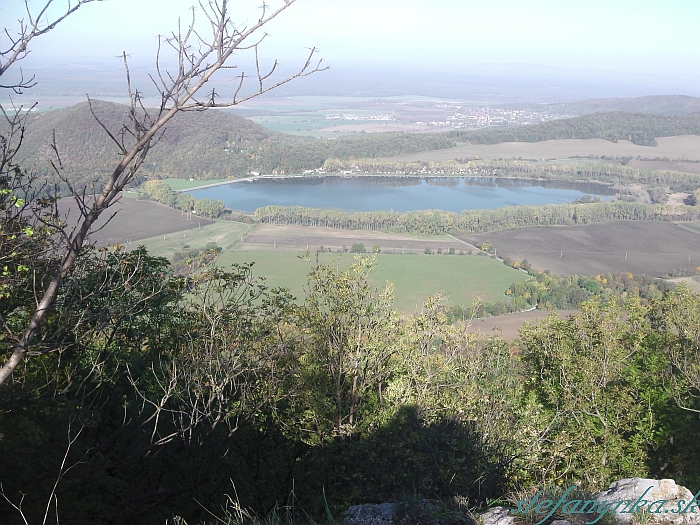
209, 144
640, 128
217, 144
660, 104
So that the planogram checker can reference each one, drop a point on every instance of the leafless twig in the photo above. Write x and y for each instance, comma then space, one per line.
199, 58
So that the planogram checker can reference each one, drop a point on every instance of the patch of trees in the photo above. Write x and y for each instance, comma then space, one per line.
694, 198
550, 292
187, 261
430, 222
159, 191
664, 104
682, 272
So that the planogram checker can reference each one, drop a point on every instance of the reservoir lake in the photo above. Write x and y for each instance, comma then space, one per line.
397, 193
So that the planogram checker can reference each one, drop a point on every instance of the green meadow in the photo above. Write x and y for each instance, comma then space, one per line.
225, 234
461, 277
186, 184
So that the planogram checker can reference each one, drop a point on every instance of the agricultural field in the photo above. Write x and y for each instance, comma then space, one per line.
507, 326
691, 282
416, 275
377, 127
685, 167
692, 226
652, 248
685, 147
134, 220
226, 234
301, 238
294, 124
462, 278
317, 125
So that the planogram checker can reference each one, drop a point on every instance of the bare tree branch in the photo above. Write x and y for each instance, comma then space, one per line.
30, 28
198, 60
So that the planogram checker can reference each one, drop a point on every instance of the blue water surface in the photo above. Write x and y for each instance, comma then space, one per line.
397, 193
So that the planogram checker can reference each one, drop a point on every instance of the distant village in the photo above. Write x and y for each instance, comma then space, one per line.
458, 116
476, 117
354, 116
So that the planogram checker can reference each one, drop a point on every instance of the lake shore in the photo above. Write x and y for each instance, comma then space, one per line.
377, 175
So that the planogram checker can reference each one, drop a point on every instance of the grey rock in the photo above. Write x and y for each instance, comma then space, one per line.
497, 516
625, 493
371, 514
661, 496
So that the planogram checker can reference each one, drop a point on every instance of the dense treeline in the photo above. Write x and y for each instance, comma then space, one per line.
586, 171
160, 392
639, 128
430, 222
159, 191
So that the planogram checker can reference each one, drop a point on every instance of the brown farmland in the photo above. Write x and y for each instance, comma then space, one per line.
296, 238
134, 220
684, 147
686, 167
652, 248
507, 326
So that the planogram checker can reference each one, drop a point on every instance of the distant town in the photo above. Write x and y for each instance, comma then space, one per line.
476, 117
456, 116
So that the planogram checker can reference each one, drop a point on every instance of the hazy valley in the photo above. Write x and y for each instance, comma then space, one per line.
411, 288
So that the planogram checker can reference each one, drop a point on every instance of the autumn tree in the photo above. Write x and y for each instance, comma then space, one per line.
199, 56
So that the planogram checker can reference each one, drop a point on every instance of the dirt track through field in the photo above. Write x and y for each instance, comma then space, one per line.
296, 238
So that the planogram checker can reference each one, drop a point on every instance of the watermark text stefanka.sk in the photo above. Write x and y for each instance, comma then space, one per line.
547, 507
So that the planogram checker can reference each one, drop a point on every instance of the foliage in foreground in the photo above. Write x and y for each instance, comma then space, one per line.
155, 393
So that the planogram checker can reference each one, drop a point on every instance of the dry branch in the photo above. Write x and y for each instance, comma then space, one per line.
199, 58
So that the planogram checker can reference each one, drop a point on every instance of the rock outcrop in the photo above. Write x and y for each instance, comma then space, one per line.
633, 501
666, 502
497, 516
371, 514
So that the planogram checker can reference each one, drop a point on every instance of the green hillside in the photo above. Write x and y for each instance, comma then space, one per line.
219, 145
206, 145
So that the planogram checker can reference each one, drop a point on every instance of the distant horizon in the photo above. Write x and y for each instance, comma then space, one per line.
554, 51
479, 83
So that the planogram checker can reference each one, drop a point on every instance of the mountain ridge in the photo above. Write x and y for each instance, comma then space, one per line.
218, 144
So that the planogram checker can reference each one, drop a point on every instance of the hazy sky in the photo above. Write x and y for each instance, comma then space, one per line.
658, 38
626, 35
